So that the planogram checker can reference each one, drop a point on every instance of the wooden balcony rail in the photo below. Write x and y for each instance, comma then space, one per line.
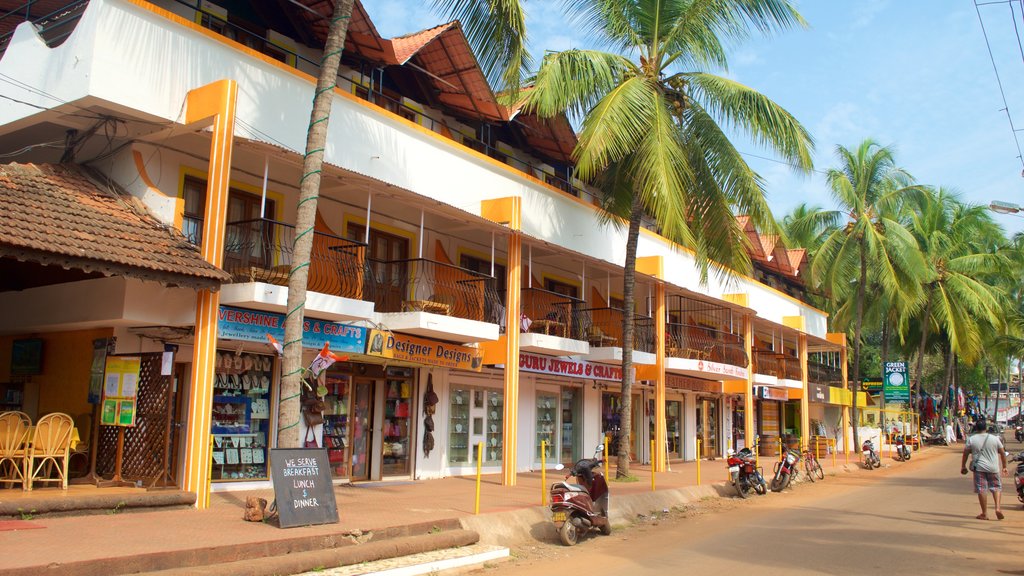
702, 342
420, 285
766, 362
823, 373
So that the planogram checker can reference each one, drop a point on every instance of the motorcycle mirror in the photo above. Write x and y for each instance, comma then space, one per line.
600, 448
559, 466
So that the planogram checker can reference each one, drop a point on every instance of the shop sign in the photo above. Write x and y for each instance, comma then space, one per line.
120, 389
840, 396
770, 393
302, 486
819, 393
568, 367
683, 383
733, 372
895, 384
254, 325
871, 386
423, 351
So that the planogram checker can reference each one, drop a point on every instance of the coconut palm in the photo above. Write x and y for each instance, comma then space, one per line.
652, 132
496, 29
872, 245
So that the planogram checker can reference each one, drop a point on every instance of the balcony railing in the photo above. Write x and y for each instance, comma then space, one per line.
766, 362
420, 285
606, 329
823, 373
261, 251
546, 312
704, 343
789, 367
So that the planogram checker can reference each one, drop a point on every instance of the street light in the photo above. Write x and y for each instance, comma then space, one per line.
1004, 207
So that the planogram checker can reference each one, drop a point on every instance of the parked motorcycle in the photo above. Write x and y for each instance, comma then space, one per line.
902, 450
934, 438
1018, 475
745, 474
576, 509
870, 455
785, 469
1018, 433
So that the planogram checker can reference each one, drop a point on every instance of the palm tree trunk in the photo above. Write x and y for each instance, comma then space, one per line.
947, 379
885, 358
858, 324
918, 376
628, 283
309, 191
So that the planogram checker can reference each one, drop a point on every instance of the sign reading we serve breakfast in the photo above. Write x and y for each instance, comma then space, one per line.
302, 486
120, 388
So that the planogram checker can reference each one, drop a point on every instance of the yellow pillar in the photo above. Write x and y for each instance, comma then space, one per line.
659, 454
507, 211
213, 103
805, 407
840, 339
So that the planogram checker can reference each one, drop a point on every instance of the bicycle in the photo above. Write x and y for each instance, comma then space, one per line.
812, 467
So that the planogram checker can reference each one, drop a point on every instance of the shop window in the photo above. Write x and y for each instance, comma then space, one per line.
241, 416
336, 435
547, 424
242, 206
398, 411
475, 416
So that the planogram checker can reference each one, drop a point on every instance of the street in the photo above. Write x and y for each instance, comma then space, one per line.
906, 518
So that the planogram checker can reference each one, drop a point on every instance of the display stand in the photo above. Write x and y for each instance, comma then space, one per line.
117, 480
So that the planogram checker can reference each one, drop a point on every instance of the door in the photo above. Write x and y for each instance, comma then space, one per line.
398, 409
362, 429
571, 431
708, 427
387, 255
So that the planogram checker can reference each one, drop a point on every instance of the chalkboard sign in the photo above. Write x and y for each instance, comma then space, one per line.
302, 486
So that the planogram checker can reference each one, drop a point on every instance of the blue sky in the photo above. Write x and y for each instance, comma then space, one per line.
912, 74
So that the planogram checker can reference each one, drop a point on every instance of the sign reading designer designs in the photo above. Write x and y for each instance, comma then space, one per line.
422, 351
302, 486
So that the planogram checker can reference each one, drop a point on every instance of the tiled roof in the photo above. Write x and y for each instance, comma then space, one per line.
406, 46
58, 214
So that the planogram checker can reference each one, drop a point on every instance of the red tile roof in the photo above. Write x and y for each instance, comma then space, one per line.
59, 214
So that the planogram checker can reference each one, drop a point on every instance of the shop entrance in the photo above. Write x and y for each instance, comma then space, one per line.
611, 403
708, 427
673, 426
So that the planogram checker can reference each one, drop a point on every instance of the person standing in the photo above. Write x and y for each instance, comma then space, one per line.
987, 460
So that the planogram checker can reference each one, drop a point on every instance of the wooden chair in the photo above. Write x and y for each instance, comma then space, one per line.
14, 427
46, 460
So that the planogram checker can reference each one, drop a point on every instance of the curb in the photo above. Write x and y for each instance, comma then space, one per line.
100, 504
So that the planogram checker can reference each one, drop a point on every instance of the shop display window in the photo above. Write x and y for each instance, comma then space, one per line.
336, 425
547, 424
398, 412
495, 416
240, 422
475, 417
570, 449
458, 427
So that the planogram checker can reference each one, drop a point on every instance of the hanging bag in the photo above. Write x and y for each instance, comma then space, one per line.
310, 441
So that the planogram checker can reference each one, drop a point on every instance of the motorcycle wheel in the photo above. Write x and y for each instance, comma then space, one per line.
906, 454
606, 530
760, 487
876, 461
741, 488
568, 533
780, 481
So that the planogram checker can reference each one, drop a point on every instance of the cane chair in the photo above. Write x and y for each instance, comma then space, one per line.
46, 460
14, 429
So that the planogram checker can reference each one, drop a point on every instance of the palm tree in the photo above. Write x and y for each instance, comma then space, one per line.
652, 129
497, 32
872, 245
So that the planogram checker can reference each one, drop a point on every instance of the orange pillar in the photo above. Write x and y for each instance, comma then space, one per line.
659, 455
805, 407
840, 340
212, 103
749, 425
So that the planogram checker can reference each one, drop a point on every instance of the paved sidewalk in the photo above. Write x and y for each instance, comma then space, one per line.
363, 508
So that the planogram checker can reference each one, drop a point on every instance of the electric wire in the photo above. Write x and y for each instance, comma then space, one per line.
999, 82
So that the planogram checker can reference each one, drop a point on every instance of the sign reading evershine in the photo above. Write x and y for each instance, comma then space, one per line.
254, 325
895, 384
302, 486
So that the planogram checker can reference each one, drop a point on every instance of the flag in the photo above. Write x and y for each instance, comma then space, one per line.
324, 359
277, 345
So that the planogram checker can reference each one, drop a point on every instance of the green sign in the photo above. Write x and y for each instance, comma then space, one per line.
895, 384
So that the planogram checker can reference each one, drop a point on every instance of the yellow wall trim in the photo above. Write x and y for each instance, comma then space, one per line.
503, 211
739, 299
795, 322
653, 266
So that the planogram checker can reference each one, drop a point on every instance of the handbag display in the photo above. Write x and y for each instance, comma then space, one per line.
310, 441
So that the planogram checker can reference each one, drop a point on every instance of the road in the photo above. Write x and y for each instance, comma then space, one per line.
906, 518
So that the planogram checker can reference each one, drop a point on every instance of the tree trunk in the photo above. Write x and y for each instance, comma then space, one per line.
926, 323
885, 358
858, 324
309, 191
628, 284
947, 380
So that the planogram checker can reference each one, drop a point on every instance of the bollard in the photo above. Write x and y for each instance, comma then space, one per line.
543, 475
605, 457
698, 460
479, 466
757, 454
652, 465
834, 453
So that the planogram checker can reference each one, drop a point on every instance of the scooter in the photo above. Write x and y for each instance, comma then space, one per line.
785, 469
871, 459
1018, 475
902, 450
576, 509
1018, 433
745, 474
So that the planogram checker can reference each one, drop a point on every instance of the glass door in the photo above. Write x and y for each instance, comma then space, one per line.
673, 426
570, 448
362, 432
708, 417
458, 427
495, 410
547, 423
397, 420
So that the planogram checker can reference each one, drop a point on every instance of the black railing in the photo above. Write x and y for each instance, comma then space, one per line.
427, 286
823, 373
605, 329
53, 26
552, 313
701, 342
261, 251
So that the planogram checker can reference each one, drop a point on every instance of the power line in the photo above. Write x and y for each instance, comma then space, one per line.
999, 82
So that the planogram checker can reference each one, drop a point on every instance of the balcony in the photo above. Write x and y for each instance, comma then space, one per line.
789, 371
766, 367
258, 255
553, 324
604, 335
824, 374
702, 351
434, 299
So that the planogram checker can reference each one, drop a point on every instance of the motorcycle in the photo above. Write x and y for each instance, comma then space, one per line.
745, 474
871, 459
1018, 475
934, 438
902, 450
576, 509
785, 469
1018, 433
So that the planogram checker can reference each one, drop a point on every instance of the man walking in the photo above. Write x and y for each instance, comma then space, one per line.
987, 459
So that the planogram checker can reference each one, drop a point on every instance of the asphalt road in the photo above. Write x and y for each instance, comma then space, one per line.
906, 518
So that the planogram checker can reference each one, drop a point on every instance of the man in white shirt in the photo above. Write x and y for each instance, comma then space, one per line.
987, 459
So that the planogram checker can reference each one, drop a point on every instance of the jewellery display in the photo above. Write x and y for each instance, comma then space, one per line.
240, 415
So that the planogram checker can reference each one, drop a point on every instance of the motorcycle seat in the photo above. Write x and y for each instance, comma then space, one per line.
577, 487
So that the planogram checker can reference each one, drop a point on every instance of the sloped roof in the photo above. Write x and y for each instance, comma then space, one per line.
57, 214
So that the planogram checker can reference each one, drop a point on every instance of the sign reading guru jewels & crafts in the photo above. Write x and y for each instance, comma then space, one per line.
302, 486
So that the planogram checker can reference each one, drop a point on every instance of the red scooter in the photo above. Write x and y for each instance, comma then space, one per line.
579, 508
